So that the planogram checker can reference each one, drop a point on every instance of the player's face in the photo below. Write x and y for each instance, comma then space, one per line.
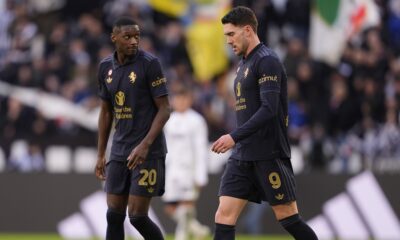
126, 39
235, 36
181, 102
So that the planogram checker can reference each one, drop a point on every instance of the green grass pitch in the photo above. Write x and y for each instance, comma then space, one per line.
56, 237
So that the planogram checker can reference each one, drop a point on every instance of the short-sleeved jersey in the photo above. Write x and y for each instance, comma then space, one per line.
131, 89
261, 107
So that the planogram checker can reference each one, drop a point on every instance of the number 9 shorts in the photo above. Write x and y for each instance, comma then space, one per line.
272, 181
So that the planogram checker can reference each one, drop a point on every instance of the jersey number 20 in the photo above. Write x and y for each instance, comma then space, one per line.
149, 177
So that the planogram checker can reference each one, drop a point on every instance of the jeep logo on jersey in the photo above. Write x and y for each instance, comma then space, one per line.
120, 98
132, 77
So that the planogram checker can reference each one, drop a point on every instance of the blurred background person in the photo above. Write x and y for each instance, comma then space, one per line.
186, 165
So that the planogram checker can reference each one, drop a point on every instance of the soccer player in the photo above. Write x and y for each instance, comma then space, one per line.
259, 168
134, 96
186, 165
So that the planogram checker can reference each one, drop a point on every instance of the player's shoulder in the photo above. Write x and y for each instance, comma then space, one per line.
105, 65
266, 53
267, 56
147, 56
195, 116
107, 60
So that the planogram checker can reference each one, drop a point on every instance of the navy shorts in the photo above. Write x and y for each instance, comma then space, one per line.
147, 179
256, 181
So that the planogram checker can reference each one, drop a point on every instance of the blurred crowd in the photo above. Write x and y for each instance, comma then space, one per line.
343, 118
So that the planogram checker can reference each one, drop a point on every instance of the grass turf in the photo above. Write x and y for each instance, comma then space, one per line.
56, 237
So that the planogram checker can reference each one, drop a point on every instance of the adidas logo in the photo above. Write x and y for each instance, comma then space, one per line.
362, 212
91, 221
279, 196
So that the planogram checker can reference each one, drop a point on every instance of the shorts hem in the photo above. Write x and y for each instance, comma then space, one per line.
240, 197
282, 202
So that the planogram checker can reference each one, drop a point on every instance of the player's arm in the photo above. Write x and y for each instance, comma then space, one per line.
269, 72
105, 123
139, 154
157, 84
268, 68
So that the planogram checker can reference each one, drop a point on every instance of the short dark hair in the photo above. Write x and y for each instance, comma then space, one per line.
241, 16
124, 21
182, 89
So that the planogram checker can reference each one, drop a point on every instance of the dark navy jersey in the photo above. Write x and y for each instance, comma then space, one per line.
261, 107
131, 88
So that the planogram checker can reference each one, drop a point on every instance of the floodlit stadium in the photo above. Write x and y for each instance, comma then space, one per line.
342, 61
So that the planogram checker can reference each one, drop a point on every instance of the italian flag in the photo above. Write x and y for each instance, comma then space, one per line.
334, 22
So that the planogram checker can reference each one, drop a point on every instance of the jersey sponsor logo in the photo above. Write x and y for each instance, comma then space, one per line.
240, 104
121, 111
158, 82
279, 196
120, 98
109, 78
132, 77
273, 78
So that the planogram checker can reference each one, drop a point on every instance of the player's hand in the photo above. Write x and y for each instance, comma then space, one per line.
100, 169
223, 144
138, 155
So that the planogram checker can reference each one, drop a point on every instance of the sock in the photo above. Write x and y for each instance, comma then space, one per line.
182, 217
115, 225
224, 232
197, 229
147, 228
298, 228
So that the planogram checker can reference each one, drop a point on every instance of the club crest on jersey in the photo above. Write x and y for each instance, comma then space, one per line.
132, 77
109, 78
246, 72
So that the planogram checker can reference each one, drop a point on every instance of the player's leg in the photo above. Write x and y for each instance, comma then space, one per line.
147, 181
280, 193
198, 230
117, 183
235, 188
187, 224
228, 211
172, 210
288, 216
138, 208
116, 216
181, 216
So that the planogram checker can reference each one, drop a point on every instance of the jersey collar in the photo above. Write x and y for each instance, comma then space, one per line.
252, 52
130, 60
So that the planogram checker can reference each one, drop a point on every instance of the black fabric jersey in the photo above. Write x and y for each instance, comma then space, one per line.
261, 107
130, 88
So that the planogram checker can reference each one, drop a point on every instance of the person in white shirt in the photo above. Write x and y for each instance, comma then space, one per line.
186, 165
